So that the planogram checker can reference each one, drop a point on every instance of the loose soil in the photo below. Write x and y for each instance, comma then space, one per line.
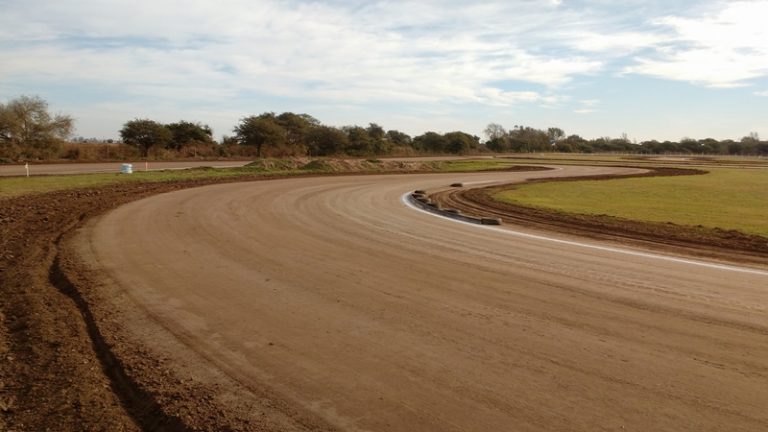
57, 373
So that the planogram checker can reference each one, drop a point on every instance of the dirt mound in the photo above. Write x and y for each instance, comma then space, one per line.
366, 165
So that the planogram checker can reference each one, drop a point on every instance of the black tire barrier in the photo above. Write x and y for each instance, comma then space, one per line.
426, 204
457, 184
490, 221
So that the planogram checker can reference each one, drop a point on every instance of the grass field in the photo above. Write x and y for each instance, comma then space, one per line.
724, 198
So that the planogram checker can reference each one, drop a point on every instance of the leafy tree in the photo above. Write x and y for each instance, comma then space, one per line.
460, 142
26, 124
430, 142
526, 139
749, 144
398, 138
575, 143
326, 141
375, 131
260, 131
297, 127
711, 145
145, 134
360, 143
555, 134
379, 141
185, 133
689, 145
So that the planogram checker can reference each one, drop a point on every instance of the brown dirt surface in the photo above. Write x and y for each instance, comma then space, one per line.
337, 299
729, 245
58, 371
70, 364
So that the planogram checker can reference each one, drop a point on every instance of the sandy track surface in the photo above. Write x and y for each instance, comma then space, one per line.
108, 167
342, 301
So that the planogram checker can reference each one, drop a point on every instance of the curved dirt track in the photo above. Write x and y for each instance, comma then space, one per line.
339, 300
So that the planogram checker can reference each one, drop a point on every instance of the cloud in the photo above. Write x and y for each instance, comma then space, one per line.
422, 56
724, 49
587, 106
762, 93
387, 51
615, 44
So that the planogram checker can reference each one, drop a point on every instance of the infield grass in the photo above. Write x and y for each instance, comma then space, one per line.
724, 198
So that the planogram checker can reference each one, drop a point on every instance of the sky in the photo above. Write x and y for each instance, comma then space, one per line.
649, 69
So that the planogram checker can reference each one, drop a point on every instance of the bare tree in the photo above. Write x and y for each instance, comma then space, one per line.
494, 132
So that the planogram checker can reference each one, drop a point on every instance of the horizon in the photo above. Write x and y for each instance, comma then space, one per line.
650, 70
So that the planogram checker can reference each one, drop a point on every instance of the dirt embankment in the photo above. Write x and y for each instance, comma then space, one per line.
729, 245
53, 374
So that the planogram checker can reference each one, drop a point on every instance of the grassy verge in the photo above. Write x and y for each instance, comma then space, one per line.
725, 198
474, 165
16, 186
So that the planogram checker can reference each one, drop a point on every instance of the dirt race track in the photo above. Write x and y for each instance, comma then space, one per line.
327, 303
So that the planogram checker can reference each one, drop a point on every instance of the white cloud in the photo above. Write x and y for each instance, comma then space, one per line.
725, 49
421, 54
587, 106
617, 44
401, 51
762, 93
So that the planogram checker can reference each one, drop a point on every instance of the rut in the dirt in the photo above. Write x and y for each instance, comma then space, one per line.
58, 372
142, 407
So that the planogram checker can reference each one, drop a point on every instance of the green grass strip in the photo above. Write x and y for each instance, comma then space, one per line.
725, 198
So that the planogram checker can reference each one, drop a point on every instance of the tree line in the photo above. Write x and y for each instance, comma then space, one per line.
291, 134
524, 139
28, 132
